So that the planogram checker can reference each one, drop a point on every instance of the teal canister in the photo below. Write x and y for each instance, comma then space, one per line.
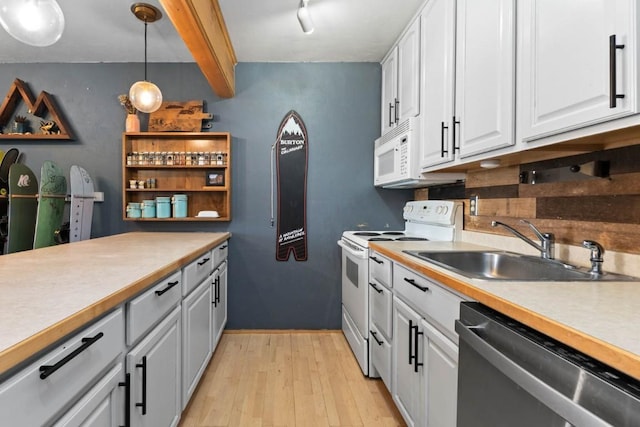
148, 209
133, 210
179, 202
163, 207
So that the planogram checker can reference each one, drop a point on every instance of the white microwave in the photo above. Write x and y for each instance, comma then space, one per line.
396, 159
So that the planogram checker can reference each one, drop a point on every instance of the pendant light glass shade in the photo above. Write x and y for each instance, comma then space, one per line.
145, 96
34, 22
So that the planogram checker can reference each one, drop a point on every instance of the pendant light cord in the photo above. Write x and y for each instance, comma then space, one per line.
145, 50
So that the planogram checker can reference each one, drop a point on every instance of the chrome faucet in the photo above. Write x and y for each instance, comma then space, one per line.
596, 255
546, 239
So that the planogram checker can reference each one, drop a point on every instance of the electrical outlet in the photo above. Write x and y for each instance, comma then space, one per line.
473, 205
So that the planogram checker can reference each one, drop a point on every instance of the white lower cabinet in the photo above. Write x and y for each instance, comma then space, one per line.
196, 337
218, 302
441, 377
155, 368
102, 406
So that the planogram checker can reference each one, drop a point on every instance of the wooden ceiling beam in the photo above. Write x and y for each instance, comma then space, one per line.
201, 25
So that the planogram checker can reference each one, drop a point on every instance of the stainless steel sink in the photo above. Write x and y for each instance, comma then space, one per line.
500, 265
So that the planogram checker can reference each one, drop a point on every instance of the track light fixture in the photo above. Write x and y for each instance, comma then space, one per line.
304, 18
34, 22
144, 95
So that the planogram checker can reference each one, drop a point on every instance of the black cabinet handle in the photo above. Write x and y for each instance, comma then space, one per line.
203, 262
216, 291
442, 145
127, 399
375, 337
416, 334
396, 108
46, 370
455, 122
390, 119
376, 260
410, 342
413, 282
224, 247
143, 404
373, 285
169, 286
613, 96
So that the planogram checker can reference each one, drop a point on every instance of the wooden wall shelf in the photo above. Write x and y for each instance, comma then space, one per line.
178, 179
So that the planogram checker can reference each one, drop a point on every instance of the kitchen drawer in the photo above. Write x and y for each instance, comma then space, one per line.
380, 268
26, 399
431, 300
381, 355
149, 308
381, 307
196, 272
220, 253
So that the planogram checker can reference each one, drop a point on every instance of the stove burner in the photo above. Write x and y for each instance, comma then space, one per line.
393, 233
410, 239
379, 239
366, 233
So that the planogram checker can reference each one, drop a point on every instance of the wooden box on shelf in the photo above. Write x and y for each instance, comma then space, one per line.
166, 163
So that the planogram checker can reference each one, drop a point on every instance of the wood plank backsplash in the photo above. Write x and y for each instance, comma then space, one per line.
573, 206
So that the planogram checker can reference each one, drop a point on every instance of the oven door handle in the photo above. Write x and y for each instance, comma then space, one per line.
556, 401
363, 254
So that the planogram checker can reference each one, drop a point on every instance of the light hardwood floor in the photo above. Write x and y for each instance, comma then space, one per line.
289, 378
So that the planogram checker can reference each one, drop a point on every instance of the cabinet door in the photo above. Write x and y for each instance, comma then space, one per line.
437, 79
407, 384
485, 75
441, 375
102, 406
196, 337
389, 91
409, 73
219, 299
155, 369
565, 70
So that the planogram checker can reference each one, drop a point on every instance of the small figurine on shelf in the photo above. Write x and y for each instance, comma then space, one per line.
19, 124
48, 127
132, 123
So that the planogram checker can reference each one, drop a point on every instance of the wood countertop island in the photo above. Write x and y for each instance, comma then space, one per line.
600, 319
47, 293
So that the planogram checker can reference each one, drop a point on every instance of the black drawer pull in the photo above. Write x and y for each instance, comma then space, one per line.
376, 260
203, 262
127, 398
46, 370
375, 337
143, 404
411, 356
216, 291
373, 285
169, 286
224, 247
416, 333
413, 282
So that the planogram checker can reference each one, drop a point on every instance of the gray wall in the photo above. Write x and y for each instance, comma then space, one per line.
340, 106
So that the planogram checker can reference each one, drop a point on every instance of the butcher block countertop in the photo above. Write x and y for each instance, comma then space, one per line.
601, 319
47, 293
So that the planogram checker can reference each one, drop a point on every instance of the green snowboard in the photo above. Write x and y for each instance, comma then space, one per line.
53, 190
8, 158
23, 205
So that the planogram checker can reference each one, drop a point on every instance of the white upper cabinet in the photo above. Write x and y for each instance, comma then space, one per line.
572, 73
401, 80
485, 76
437, 82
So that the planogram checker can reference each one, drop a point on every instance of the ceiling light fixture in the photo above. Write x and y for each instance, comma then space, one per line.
34, 22
305, 19
144, 95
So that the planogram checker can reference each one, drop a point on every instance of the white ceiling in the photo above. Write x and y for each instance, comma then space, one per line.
260, 31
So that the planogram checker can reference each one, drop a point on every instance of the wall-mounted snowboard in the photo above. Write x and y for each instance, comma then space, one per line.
292, 153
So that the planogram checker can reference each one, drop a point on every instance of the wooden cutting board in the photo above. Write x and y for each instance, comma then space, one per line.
178, 116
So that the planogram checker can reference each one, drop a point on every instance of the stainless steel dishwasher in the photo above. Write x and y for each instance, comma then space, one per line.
511, 375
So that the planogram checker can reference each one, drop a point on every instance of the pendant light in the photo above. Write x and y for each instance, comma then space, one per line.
34, 22
304, 18
144, 95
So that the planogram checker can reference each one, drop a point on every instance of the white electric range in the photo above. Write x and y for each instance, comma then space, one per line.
424, 220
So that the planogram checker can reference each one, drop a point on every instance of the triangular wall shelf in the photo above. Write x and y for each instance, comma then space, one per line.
43, 104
